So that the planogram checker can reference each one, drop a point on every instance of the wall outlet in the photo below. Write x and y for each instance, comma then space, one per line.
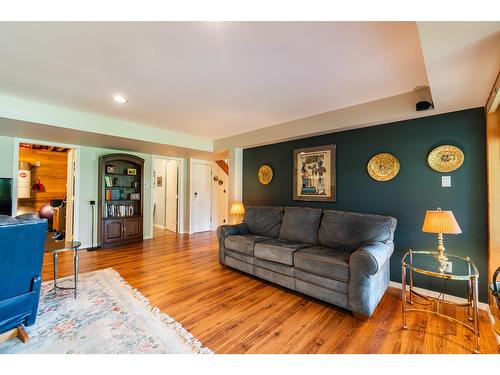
449, 267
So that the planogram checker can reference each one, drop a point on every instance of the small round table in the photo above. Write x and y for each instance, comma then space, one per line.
55, 248
454, 268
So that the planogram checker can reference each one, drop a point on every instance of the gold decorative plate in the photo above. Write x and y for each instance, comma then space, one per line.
445, 158
265, 174
383, 167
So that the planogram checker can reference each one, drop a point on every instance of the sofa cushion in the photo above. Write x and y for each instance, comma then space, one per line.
278, 251
336, 285
349, 230
263, 220
240, 256
300, 224
275, 267
243, 243
323, 261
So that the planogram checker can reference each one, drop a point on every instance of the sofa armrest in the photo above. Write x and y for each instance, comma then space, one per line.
369, 276
370, 258
227, 230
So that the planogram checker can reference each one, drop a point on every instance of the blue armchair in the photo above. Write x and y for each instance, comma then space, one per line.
21, 257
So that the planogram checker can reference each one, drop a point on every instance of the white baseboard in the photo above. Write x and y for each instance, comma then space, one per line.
449, 297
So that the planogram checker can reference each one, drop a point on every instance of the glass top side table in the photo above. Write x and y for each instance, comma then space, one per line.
427, 263
55, 248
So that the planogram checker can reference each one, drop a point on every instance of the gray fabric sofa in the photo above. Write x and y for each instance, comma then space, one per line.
335, 256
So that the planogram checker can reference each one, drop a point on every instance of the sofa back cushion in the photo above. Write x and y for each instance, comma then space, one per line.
300, 224
263, 220
349, 230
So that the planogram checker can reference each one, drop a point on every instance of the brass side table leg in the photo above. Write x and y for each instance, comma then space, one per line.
476, 311
410, 296
469, 301
469, 298
403, 295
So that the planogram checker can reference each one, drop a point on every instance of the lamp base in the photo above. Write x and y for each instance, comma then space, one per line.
440, 249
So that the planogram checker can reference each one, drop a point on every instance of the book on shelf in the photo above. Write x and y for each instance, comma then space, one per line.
119, 210
114, 195
109, 181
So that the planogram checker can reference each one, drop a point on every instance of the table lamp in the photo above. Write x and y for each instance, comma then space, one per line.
440, 222
238, 210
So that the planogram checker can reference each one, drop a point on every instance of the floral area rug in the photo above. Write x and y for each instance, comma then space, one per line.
108, 316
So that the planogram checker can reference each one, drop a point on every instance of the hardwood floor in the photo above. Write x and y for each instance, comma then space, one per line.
231, 312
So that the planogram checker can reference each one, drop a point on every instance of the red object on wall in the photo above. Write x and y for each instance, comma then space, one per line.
38, 186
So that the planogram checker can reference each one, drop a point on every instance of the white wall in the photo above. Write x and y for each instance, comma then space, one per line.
235, 188
159, 193
6, 156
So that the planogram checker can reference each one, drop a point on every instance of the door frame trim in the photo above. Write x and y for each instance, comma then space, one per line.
15, 170
177, 219
191, 162
181, 196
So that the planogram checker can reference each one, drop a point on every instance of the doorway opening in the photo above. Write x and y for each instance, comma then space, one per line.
166, 210
46, 186
209, 195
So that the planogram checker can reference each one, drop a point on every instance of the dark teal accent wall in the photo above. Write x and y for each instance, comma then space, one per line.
414, 190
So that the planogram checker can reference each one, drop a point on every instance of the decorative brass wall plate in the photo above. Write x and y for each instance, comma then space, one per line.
383, 167
445, 158
265, 174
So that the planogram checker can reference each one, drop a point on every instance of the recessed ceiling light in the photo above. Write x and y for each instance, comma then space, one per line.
120, 99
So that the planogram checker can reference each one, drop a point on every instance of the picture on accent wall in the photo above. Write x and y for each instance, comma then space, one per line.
314, 174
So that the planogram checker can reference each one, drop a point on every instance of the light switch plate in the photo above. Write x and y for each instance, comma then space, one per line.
446, 181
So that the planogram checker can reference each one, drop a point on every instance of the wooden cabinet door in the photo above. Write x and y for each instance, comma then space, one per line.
132, 228
113, 230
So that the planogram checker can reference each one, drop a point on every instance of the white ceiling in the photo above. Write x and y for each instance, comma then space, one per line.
462, 61
212, 79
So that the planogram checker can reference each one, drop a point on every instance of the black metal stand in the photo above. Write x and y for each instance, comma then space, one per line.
92, 248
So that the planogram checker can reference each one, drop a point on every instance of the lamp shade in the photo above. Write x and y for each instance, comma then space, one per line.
237, 208
440, 222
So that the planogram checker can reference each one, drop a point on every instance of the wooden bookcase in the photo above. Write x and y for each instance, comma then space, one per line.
121, 200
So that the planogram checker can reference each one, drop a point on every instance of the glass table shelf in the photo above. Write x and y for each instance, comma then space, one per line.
454, 268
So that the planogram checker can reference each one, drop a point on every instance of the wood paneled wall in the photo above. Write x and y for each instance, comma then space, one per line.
52, 173
493, 159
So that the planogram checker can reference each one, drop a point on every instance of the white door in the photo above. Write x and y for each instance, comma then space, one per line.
159, 193
201, 197
172, 195
70, 194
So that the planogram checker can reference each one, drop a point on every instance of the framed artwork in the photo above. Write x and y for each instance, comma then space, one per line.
159, 181
110, 169
131, 171
314, 174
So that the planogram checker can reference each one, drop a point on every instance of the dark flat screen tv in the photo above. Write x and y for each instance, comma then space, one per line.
6, 196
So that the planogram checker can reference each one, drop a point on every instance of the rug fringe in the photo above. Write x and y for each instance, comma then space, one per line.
189, 339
